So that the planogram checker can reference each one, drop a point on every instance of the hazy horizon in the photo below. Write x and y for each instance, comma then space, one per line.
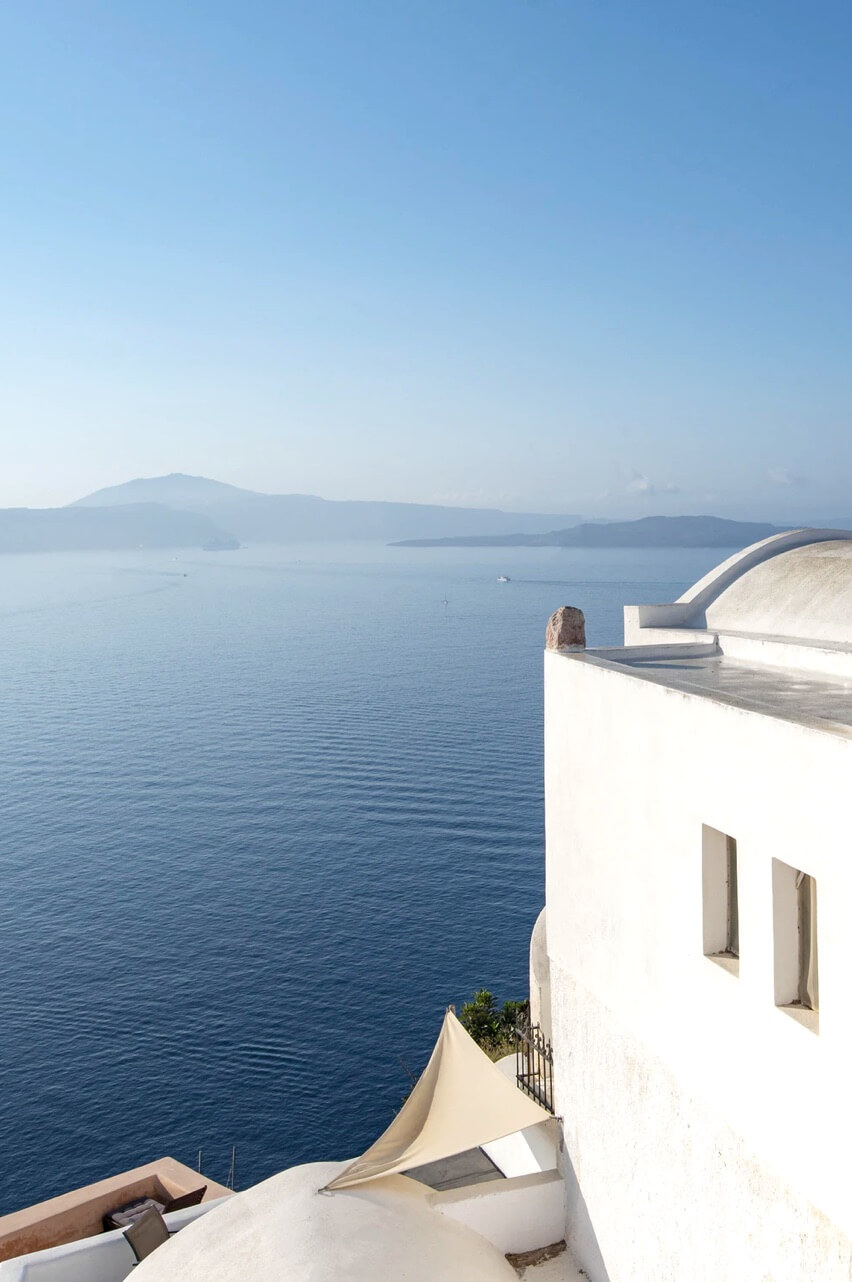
541, 256
802, 517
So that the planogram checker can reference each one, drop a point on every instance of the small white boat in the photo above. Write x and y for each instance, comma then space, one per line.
503, 578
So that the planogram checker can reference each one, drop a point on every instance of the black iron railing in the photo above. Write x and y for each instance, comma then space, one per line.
534, 1064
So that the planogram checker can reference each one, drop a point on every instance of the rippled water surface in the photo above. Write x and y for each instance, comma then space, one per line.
262, 816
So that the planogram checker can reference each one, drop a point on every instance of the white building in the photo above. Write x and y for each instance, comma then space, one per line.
696, 963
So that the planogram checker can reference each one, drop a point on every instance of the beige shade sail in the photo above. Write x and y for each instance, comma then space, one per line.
461, 1100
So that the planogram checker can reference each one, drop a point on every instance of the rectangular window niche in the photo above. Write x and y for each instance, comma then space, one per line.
794, 912
720, 899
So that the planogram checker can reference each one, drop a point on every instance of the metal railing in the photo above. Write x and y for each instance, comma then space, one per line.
534, 1064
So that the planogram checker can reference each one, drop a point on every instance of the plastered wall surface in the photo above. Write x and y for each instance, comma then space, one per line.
708, 1131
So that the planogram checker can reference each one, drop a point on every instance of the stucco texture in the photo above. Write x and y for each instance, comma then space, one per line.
285, 1229
804, 593
669, 1191
707, 1132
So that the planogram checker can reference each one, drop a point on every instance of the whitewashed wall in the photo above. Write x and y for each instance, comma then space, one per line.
540, 977
707, 1132
523, 1213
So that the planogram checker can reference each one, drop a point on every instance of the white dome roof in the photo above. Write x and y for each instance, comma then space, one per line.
792, 586
284, 1230
804, 593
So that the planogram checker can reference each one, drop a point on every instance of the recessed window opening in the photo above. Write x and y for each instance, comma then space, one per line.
794, 895
721, 898
808, 968
732, 936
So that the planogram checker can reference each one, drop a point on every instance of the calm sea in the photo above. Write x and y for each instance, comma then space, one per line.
263, 814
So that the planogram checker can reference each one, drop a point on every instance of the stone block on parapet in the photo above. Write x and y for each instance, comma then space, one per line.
566, 629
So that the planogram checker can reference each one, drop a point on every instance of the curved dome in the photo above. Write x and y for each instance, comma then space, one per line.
284, 1230
804, 593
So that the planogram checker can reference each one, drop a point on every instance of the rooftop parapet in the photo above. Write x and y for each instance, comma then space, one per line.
78, 1214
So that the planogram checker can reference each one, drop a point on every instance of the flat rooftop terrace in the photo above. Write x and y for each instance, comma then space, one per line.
821, 702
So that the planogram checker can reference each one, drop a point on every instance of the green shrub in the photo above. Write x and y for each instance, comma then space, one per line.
490, 1026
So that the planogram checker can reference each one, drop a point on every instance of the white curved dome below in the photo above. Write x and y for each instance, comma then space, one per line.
284, 1230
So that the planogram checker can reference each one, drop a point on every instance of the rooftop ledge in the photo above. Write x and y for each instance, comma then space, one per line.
832, 658
728, 674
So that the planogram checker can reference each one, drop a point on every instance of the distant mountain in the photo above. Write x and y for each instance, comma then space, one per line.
76, 529
191, 493
289, 518
648, 532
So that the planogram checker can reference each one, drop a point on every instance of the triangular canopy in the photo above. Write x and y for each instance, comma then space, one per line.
461, 1100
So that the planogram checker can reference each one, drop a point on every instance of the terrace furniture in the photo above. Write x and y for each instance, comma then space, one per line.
122, 1217
186, 1199
147, 1233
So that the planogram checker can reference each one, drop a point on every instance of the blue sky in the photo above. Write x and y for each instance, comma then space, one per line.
545, 254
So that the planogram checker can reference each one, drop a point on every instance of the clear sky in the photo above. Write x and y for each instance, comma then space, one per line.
565, 255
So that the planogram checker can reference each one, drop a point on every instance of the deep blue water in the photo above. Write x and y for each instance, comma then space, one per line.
258, 826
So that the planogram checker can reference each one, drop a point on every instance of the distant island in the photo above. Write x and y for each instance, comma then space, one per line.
182, 511
647, 532
196, 512
296, 518
70, 529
